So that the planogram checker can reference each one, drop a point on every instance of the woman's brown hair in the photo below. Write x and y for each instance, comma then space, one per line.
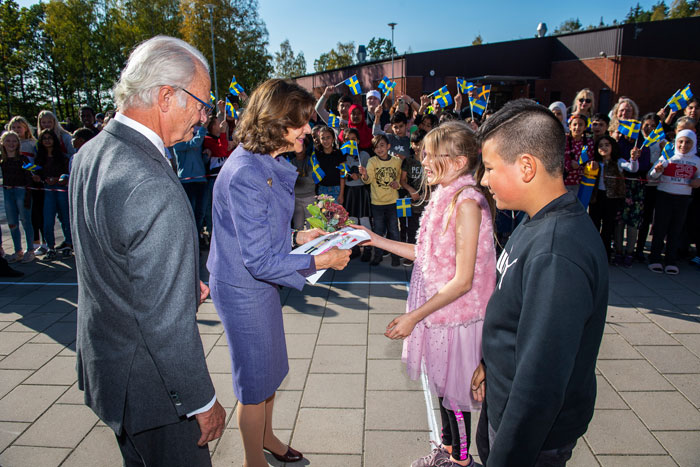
273, 108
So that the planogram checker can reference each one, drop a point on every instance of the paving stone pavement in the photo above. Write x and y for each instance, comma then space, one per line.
346, 401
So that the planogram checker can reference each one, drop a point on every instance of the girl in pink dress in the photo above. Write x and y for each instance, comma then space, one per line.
454, 274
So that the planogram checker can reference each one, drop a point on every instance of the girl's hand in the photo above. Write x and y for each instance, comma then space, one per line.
50, 181
574, 165
415, 196
363, 171
340, 199
401, 327
378, 112
593, 165
635, 153
659, 167
354, 176
36, 178
373, 236
695, 183
479, 383
395, 185
305, 236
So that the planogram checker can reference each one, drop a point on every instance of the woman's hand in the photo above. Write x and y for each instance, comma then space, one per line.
305, 236
401, 327
635, 153
378, 112
332, 259
479, 383
373, 236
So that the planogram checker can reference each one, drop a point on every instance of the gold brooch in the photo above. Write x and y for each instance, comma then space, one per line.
269, 182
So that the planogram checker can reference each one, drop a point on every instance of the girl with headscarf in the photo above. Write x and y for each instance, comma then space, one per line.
357, 121
559, 110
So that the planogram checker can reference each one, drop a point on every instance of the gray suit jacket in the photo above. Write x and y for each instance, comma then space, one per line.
140, 357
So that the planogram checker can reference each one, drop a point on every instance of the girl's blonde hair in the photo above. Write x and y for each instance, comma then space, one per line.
585, 93
57, 128
3, 138
27, 127
444, 145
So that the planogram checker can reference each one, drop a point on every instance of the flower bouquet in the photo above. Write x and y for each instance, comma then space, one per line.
327, 215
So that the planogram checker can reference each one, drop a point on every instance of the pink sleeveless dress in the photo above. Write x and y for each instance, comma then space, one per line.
446, 345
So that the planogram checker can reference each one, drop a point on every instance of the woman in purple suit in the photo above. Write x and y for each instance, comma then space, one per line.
250, 256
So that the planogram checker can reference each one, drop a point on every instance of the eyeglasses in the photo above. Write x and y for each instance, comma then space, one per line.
207, 108
582, 100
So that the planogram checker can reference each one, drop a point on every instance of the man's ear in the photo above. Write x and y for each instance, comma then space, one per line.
166, 98
528, 167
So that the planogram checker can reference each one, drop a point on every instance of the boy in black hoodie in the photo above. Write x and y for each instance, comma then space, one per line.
544, 322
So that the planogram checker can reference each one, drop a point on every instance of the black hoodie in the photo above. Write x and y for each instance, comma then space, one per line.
542, 331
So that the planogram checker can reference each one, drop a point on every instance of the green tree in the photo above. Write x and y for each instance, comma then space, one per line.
240, 40
570, 25
659, 11
684, 8
380, 48
286, 64
478, 40
339, 57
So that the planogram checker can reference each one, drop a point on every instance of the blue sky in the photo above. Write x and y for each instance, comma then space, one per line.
315, 27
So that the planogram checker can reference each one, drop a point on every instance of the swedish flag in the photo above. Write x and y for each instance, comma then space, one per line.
344, 170
668, 151
464, 86
686, 94
443, 96
386, 85
657, 135
478, 106
354, 85
235, 88
317, 172
585, 189
629, 128
213, 98
230, 109
676, 102
403, 207
32, 167
485, 92
333, 121
583, 158
350, 147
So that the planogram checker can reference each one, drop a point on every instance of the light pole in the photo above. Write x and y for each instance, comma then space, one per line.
392, 25
210, 7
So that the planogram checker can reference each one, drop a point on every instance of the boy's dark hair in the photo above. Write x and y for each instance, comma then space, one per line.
602, 117
398, 117
377, 138
85, 134
417, 136
524, 127
88, 108
351, 131
346, 99
652, 116
433, 119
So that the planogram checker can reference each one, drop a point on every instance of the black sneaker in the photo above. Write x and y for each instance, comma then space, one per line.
407, 262
50, 255
355, 252
376, 260
395, 262
366, 254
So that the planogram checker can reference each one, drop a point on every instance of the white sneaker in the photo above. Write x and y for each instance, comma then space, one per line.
41, 250
13, 258
28, 257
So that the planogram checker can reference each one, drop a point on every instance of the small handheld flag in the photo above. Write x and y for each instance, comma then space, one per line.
63, 177
478, 106
317, 172
485, 92
629, 128
443, 96
655, 136
583, 158
213, 98
354, 85
230, 109
235, 88
32, 167
333, 121
344, 170
585, 189
386, 85
464, 86
668, 151
686, 94
350, 147
403, 207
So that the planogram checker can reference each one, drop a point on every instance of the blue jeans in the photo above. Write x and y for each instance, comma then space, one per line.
56, 202
386, 223
16, 212
197, 194
333, 191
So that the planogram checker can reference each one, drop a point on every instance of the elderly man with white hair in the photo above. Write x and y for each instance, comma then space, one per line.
140, 357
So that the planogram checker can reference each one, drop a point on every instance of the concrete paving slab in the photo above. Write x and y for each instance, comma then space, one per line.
30, 356
296, 378
414, 445
345, 316
34, 322
219, 360
9, 431
625, 315
378, 323
389, 375
100, 444
73, 396
684, 446
688, 385
60, 333
381, 347
209, 341
690, 341
285, 412
607, 397
9, 379
676, 413
75, 422
343, 435
11, 341
633, 375
32, 456
615, 347
300, 345
59, 370
666, 359
229, 450
223, 385
339, 359
295, 323
25, 403
582, 455
636, 461
644, 334
334, 391
604, 435
343, 334
386, 410
676, 322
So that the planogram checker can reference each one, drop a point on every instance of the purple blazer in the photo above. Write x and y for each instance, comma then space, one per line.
252, 209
